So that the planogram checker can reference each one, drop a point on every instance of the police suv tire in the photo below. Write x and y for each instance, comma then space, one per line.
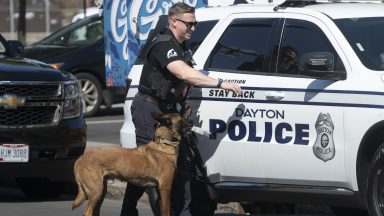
375, 193
92, 93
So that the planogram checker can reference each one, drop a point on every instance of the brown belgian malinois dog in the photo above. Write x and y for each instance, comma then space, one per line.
150, 165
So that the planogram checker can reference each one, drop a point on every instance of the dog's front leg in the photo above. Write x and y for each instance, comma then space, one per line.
165, 198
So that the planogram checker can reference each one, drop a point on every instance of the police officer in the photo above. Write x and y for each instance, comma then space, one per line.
166, 76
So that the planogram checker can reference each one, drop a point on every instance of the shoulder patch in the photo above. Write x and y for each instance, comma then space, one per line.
171, 53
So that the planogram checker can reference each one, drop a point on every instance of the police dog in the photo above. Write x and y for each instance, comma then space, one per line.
149, 165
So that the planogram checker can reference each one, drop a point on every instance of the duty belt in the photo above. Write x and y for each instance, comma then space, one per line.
148, 98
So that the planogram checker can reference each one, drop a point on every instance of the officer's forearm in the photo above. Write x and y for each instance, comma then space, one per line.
197, 78
190, 75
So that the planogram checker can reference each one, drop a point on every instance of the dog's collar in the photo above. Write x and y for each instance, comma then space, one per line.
165, 141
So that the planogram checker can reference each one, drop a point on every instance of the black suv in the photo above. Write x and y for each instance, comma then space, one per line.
42, 129
79, 49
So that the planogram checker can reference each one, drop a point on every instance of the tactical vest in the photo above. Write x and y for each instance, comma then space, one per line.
163, 85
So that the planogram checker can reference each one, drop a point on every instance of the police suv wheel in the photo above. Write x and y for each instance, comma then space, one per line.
91, 93
376, 183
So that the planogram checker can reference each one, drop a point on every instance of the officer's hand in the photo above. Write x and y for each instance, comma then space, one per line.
232, 87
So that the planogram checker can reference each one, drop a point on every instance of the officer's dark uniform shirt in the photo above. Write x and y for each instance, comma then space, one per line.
156, 80
164, 53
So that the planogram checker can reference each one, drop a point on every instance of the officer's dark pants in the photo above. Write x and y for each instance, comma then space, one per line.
141, 109
181, 187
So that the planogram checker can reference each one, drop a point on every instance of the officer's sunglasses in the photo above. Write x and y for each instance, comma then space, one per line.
187, 24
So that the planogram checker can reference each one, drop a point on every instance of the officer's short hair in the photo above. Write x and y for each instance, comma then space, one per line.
180, 8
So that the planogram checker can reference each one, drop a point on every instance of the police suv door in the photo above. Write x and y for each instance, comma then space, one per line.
307, 145
231, 154
286, 126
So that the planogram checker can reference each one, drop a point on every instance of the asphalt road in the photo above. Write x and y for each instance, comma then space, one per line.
14, 203
104, 128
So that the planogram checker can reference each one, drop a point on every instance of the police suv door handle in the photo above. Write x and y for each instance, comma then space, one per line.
274, 95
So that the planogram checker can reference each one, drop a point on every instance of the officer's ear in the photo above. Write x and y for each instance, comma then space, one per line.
172, 22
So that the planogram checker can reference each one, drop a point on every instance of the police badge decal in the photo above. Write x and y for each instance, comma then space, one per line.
324, 147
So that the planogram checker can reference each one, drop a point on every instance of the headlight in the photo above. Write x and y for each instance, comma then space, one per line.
56, 65
72, 99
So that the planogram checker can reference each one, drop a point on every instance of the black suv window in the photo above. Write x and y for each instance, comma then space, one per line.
243, 46
299, 38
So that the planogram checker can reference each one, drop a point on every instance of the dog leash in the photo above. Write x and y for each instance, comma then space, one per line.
191, 138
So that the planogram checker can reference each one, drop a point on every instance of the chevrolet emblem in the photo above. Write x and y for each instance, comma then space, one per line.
11, 101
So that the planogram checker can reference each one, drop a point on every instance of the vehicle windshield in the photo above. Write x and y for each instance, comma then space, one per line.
366, 37
82, 33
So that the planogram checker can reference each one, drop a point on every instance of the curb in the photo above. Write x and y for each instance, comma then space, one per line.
116, 190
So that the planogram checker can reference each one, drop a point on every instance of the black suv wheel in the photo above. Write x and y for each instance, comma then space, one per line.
91, 92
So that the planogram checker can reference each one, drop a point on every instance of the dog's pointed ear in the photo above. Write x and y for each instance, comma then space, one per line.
161, 119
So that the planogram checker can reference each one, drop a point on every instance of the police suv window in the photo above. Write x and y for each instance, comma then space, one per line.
299, 38
242, 47
202, 30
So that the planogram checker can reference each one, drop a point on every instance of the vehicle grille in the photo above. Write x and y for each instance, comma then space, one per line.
30, 90
27, 116
30, 104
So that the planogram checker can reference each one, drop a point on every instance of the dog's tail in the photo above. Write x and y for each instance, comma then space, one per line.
81, 195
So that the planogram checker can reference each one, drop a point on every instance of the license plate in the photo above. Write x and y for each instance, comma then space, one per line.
14, 153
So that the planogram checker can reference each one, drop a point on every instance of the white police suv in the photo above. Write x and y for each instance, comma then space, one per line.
309, 126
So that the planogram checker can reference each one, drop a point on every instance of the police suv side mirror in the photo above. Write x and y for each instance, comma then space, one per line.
17, 48
320, 65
